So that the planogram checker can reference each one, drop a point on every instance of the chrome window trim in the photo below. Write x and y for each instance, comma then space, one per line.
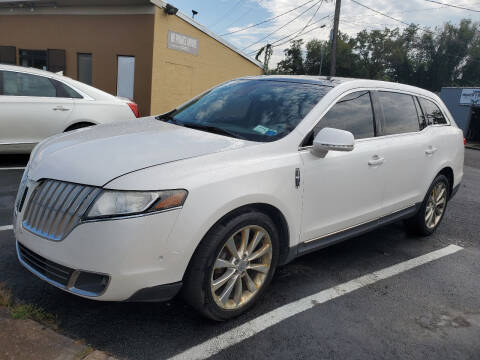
405, 92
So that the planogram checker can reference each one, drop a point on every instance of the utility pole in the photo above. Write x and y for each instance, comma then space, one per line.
333, 64
321, 59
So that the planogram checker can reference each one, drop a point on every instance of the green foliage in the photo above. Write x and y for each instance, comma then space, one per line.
448, 56
25, 311
293, 62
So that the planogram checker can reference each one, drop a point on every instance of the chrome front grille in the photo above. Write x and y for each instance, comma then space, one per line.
56, 207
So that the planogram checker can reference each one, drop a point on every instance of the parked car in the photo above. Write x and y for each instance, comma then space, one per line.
37, 104
211, 197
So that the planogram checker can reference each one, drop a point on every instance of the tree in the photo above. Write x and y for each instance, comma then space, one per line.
314, 56
293, 62
448, 56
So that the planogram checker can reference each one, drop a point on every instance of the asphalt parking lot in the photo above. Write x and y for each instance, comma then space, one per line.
427, 311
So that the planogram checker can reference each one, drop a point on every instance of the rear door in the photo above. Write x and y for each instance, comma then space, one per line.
403, 148
33, 107
438, 138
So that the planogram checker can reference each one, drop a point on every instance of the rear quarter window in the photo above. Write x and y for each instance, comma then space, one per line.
432, 115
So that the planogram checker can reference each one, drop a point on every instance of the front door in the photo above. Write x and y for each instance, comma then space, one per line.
343, 189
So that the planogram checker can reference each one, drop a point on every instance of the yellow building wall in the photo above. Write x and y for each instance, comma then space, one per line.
178, 76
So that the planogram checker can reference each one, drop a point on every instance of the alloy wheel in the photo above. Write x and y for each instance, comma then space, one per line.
436, 205
241, 267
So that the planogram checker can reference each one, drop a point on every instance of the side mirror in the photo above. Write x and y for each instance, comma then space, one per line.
329, 139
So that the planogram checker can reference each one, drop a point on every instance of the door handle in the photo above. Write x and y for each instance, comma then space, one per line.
60, 108
431, 150
376, 160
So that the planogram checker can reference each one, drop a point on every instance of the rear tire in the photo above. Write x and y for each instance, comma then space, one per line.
221, 283
433, 207
78, 126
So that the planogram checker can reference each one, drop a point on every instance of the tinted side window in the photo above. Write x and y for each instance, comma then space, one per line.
65, 91
399, 113
352, 113
19, 84
432, 113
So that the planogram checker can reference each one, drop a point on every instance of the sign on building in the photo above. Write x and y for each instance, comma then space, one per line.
182, 42
470, 96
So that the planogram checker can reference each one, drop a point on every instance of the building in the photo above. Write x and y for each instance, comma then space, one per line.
141, 49
464, 104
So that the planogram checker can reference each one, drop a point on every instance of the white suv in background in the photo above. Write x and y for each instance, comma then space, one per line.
211, 197
36, 104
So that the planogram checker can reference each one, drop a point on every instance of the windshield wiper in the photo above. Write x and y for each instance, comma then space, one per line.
213, 129
167, 116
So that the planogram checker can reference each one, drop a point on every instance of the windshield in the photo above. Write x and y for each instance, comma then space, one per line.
256, 110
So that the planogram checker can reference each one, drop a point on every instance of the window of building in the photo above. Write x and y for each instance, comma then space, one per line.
52, 59
33, 58
84, 62
8, 55
352, 113
399, 113
56, 60
432, 113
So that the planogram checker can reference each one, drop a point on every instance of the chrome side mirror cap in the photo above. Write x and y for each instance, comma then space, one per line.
329, 139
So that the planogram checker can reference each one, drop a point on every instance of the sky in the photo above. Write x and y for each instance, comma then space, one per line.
224, 16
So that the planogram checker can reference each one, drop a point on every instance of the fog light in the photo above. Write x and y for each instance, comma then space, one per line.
92, 283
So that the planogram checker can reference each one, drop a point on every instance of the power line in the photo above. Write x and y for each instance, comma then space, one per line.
294, 36
309, 21
242, 15
390, 17
267, 20
221, 18
399, 12
453, 6
297, 32
281, 27
297, 36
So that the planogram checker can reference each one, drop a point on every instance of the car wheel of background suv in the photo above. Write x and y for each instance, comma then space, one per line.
431, 212
232, 266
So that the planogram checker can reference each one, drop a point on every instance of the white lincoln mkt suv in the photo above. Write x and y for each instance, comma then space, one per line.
210, 198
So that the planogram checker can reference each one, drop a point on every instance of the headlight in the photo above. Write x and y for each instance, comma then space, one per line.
122, 203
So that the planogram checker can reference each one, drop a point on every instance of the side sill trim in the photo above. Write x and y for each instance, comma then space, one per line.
337, 237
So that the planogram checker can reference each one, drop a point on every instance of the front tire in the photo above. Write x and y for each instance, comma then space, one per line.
232, 266
433, 207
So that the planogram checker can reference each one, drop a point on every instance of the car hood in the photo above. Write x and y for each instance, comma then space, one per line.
96, 155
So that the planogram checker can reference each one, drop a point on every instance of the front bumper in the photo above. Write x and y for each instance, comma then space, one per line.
132, 254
